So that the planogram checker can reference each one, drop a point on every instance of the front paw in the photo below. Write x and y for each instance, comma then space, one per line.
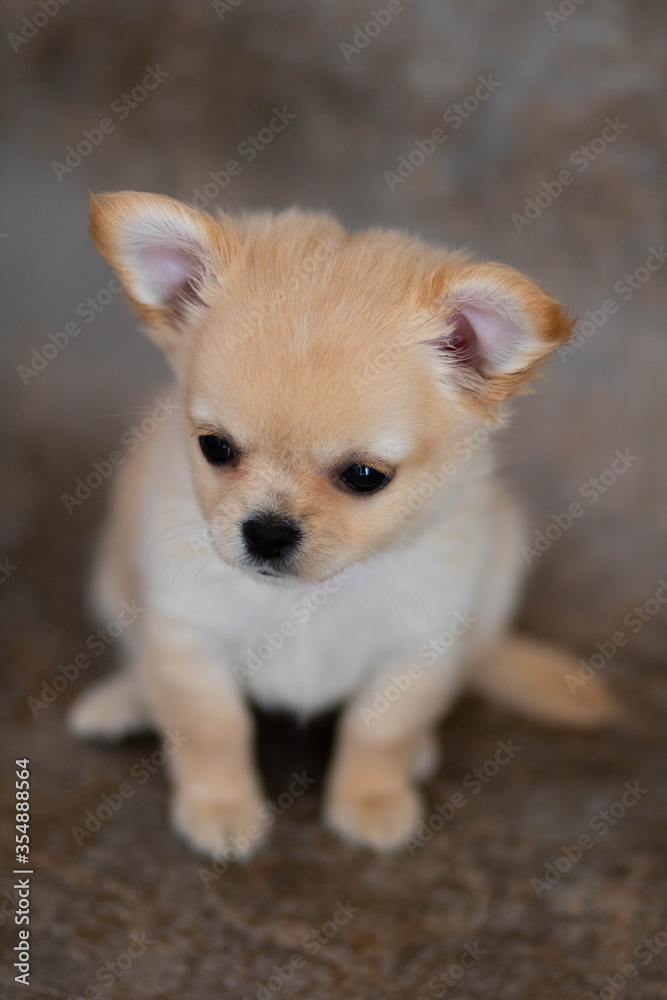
230, 828
380, 819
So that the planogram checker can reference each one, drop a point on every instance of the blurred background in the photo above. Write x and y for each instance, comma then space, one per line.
550, 155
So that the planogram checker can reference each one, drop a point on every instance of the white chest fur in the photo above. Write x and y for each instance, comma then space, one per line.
310, 646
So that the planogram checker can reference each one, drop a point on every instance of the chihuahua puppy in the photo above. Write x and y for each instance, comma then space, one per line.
319, 524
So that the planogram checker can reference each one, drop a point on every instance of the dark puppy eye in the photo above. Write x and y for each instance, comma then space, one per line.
364, 478
215, 449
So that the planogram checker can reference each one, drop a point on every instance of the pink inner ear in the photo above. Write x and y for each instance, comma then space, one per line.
493, 334
170, 274
492, 321
462, 343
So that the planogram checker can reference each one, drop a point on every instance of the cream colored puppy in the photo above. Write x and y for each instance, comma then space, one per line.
320, 525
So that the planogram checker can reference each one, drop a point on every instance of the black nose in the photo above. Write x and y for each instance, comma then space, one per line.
269, 536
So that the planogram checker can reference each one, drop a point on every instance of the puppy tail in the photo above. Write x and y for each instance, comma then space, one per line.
544, 683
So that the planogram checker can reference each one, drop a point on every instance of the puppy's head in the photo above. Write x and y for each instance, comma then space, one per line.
331, 381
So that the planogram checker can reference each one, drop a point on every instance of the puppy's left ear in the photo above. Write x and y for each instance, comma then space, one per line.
494, 326
166, 254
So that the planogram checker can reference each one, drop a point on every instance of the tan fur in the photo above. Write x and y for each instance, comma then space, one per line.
532, 678
310, 350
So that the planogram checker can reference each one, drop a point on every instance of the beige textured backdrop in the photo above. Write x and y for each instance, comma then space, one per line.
357, 113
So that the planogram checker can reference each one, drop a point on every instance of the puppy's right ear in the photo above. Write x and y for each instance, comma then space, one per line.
167, 255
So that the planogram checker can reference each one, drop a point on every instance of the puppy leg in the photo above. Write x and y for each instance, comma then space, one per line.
216, 799
371, 797
111, 709
427, 756
115, 707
